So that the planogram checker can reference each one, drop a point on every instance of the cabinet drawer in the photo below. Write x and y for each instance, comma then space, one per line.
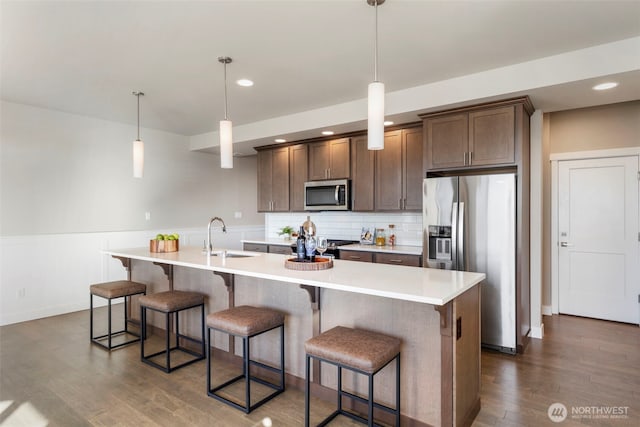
362, 256
399, 259
254, 247
279, 249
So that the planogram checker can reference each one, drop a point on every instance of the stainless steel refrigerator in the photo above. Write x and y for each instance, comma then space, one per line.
470, 225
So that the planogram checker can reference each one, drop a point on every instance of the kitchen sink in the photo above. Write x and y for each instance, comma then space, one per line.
234, 254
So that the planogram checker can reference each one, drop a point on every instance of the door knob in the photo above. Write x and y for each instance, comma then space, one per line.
565, 244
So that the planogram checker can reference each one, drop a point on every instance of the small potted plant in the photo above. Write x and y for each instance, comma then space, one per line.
287, 231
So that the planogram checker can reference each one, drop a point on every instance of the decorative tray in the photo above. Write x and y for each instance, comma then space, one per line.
318, 264
164, 245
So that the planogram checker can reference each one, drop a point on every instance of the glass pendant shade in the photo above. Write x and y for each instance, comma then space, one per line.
138, 158
375, 124
226, 144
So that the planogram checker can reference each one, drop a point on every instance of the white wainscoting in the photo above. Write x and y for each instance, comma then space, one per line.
47, 275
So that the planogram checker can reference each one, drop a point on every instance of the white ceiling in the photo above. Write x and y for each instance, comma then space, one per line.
86, 57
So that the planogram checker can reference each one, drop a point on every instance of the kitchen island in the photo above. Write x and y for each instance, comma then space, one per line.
435, 312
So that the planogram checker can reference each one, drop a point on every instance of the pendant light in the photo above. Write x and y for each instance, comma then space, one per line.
138, 145
226, 138
375, 123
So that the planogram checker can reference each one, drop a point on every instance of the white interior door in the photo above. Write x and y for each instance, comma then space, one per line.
598, 257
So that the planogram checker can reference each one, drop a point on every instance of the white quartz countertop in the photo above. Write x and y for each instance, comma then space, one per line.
397, 249
423, 285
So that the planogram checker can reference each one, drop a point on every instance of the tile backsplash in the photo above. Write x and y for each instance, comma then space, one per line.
348, 225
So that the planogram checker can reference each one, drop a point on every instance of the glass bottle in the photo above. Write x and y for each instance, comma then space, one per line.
300, 245
392, 235
381, 237
310, 245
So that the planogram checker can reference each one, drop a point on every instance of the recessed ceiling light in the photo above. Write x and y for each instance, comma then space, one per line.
280, 140
327, 132
605, 86
244, 82
388, 122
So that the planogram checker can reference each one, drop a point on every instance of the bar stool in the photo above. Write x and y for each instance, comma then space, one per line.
111, 291
360, 351
168, 303
246, 322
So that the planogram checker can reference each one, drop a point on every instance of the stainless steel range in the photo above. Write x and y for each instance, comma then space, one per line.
332, 246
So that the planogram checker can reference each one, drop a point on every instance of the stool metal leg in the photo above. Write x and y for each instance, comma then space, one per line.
398, 389
339, 388
208, 352
168, 341
370, 411
282, 357
126, 323
109, 323
91, 317
247, 371
143, 330
204, 342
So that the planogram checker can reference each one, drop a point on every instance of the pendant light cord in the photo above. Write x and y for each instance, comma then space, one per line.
138, 96
375, 53
225, 91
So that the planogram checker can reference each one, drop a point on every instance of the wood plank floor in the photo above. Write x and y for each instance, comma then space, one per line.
49, 372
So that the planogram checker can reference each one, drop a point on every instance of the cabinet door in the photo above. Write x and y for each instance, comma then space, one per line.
319, 158
339, 155
297, 176
447, 141
398, 259
254, 247
492, 136
264, 180
362, 256
388, 173
282, 250
412, 145
280, 180
362, 166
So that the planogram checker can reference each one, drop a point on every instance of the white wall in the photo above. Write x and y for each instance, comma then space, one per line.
67, 191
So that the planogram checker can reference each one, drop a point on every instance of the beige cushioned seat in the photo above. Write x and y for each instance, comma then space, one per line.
364, 350
171, 300
245, 320
117, 289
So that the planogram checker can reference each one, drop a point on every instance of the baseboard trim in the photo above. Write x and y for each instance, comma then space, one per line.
538, 332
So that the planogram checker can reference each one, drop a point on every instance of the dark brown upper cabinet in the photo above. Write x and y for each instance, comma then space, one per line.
273, 180
298, 175
329, 159
362, 174
399, 171
480, 136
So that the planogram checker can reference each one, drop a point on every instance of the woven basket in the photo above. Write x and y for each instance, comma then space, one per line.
318, 264
164, 245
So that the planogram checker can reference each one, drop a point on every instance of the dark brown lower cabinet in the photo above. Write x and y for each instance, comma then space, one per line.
382, 258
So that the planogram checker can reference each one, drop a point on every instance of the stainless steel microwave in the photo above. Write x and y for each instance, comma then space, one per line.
327, 195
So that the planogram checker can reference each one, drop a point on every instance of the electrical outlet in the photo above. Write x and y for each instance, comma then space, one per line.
237, 215
22, 292
147, 216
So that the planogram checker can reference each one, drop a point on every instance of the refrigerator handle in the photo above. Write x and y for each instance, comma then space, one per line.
462, 265
454, 238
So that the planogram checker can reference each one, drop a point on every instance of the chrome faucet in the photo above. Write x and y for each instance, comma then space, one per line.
224, 230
